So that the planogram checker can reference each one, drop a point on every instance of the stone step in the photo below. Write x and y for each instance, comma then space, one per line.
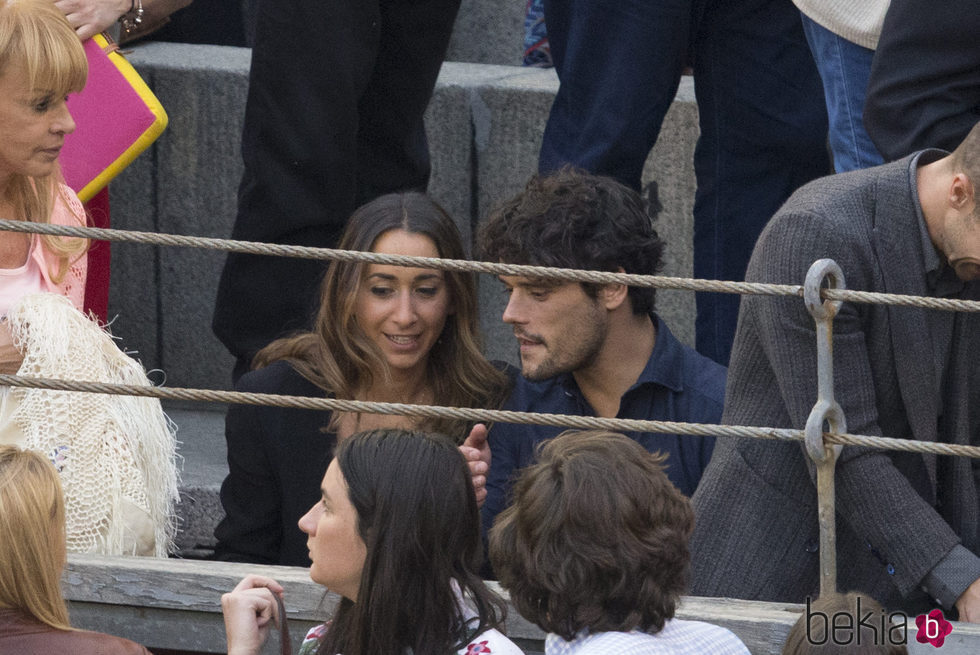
203, 465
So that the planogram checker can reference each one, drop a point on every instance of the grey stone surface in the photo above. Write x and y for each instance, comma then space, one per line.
449, 133
198, 167
203, 465
202, 160
488, 32
134, 269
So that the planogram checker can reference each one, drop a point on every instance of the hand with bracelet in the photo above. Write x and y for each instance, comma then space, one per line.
89, 17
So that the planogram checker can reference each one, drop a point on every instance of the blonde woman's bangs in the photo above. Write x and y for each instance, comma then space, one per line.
35, 37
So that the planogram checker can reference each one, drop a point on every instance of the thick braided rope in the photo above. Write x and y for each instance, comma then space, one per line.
544, 272
485, 415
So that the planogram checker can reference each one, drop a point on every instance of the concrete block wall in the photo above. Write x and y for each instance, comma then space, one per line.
488, 32
484, 124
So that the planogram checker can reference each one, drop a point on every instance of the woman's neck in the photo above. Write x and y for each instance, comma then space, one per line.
15, 247
400, 387
409, 389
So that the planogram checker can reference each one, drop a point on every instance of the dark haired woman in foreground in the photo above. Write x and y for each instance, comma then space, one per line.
382, 333
594, 551
397, 535
33, 614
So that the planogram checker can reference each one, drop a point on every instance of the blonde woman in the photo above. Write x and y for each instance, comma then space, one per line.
116, 454
33, 615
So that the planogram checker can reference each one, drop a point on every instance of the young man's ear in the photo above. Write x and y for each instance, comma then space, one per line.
614, 295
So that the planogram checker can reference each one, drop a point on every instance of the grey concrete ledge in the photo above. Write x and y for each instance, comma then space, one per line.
176, 604
190, 57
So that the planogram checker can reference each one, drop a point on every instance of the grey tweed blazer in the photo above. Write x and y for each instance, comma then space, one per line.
898, 514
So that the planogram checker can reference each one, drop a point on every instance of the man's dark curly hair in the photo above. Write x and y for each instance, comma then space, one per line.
571, 219
596, 538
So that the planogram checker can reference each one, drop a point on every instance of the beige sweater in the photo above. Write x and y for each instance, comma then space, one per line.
858, 21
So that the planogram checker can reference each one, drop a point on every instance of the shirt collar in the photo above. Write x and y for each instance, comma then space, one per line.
664, 368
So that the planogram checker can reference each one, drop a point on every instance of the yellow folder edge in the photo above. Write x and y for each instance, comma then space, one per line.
151, 134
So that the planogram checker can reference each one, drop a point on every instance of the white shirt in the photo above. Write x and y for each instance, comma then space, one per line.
677, 638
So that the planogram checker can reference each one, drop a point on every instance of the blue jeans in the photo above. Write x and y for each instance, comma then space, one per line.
844, 67
763, 127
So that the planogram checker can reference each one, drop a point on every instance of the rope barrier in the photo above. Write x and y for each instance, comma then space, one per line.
484, 415
543, 272
821, 302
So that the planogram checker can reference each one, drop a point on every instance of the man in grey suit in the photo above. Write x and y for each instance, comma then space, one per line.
907, 524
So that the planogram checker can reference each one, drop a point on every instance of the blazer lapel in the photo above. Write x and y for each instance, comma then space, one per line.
899, 255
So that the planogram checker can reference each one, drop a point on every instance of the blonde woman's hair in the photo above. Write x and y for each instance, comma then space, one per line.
341, 359
32, 547
35, 37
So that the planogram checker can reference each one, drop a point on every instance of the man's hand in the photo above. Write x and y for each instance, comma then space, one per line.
476, 450
968, 604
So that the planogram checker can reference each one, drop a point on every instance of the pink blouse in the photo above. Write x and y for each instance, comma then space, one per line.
68, 210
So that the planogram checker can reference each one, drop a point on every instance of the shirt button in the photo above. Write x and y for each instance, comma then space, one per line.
890, 569
812, 547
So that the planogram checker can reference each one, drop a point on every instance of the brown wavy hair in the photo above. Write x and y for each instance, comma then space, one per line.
340, 359
36, 37
32, 547
572, 219
417, 515
596, 538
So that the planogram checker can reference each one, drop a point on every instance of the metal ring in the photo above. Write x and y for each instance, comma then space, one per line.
820, 269
831, 412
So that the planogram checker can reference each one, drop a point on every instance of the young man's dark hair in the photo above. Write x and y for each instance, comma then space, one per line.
595, 539
571, 219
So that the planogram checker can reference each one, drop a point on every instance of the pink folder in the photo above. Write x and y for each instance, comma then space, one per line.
116, 118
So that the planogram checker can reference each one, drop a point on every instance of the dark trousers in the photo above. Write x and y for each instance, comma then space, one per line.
336, 95
762, 116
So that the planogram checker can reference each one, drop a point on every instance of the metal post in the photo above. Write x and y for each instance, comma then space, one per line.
825, 411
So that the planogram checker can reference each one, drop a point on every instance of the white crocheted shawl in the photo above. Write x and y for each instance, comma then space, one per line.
111, 451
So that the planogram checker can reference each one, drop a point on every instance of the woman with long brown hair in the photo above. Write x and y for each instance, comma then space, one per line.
382, 333
396, 533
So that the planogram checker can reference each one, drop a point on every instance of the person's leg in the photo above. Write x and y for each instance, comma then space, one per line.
844, 68
310, 65
619, 63
763, 134
392, 151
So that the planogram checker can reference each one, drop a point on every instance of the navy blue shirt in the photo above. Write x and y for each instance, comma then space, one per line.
677, 384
